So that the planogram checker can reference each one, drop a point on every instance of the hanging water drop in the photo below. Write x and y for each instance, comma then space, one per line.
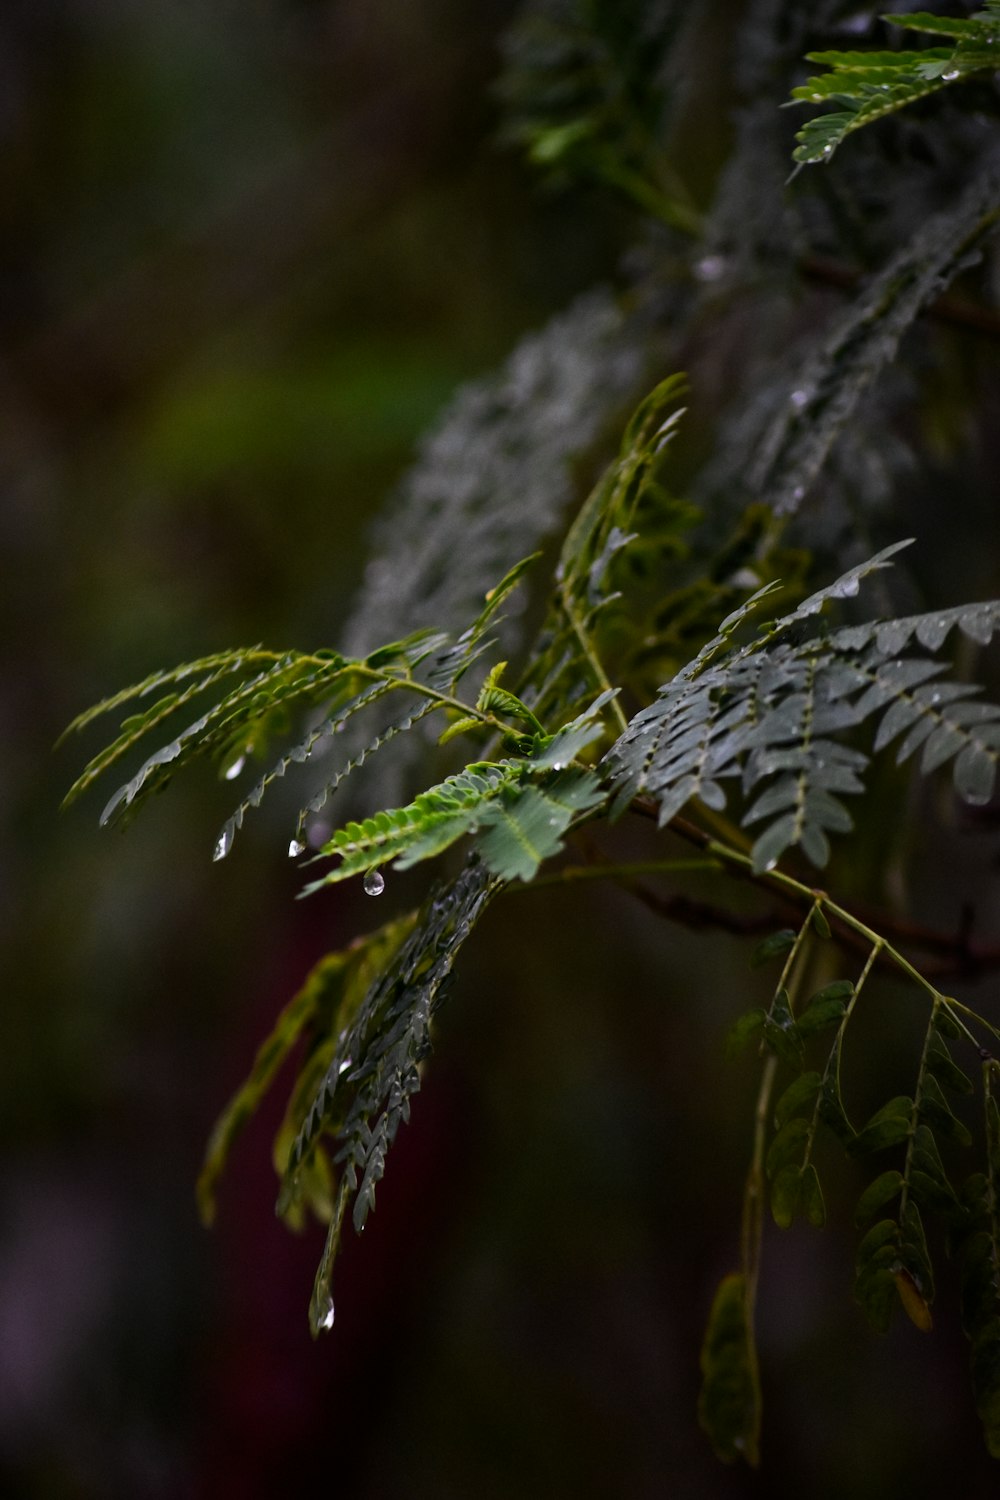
295, 848
799, 399
324, 1313
374, 883
950, 75
224, 844
235, 766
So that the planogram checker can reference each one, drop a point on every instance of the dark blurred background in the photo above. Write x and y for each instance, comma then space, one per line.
247, 253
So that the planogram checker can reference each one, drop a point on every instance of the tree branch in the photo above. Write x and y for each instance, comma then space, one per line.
955, 953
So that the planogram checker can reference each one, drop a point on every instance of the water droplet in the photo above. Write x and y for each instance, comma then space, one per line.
347, 1063
225, 843
374, 883
799, 399
324, 1313
234, 768
976, 798
710, 267
295, 849
798, 493
828, 149
950, 75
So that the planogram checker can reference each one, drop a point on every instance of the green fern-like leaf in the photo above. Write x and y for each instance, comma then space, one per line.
426, 667
868, 85
521, 809
364, 1095
771, 717
566, 665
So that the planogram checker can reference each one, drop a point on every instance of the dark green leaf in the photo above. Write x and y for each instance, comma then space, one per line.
779, 1030
772, 946
913, 1250
820, 923
820, 1014
786, 1195
788, 1145
729, 1404
944, 1068
742, 1031
876, 1266
877, 1195
934, 1195
883, 1237
813, 1203
784, 1042
831, 1105
945, 1023
887, 1127
935, 1109
799, 1096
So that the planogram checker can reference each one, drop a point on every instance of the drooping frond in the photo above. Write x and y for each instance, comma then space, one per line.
769, 713
864, 86
803, 1042
437, 663
824, 393
565, 664
322, 1009
364, 1095
426, 668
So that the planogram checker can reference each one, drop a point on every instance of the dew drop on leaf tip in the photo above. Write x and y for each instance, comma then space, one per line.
374, 883
295, 848
225, 843
325, 1314
234, 767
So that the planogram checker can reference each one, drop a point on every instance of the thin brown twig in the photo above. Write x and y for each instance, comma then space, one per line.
945, 309
956, 954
